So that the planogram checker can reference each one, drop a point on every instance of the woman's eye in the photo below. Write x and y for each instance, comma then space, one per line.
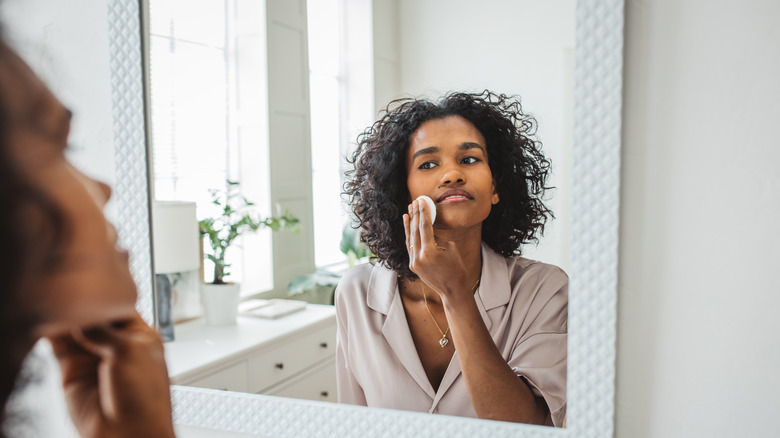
427, 165
471, 160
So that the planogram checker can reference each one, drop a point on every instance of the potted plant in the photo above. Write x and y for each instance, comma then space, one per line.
236, 217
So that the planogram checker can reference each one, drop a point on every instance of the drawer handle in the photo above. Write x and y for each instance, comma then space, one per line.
280, 365
323, 345
324, 393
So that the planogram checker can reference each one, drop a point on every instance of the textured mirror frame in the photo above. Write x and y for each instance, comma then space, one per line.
131, 188
593, 289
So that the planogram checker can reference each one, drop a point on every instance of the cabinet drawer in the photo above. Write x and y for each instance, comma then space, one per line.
290, 357
232, 378
318, 383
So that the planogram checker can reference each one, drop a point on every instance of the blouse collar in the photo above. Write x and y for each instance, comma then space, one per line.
494, 289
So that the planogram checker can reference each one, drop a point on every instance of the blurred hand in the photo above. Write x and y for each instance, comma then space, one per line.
115, 380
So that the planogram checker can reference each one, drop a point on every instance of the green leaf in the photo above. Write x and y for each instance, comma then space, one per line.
303, 283
351, 245
237, 217
299, 285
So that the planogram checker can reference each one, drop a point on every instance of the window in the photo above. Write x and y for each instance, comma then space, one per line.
208, 80
211, 101
341, 97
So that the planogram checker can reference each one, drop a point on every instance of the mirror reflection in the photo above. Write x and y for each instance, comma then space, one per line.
254, 108
449, 298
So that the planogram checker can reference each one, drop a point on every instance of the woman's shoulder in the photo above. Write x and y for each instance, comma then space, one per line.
357, 275
354, 281
529, 270
541, 289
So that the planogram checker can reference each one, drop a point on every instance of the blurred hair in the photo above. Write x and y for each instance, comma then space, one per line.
29, 246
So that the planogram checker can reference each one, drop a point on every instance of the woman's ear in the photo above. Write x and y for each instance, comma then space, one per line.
495, 193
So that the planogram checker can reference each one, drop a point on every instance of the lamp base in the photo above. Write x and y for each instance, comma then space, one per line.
163, 307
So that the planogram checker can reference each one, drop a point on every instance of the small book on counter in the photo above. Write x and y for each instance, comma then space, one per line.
270, 309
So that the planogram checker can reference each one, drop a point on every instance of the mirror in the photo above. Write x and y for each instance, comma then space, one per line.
201, 98
597, 105
596, 158
597, 76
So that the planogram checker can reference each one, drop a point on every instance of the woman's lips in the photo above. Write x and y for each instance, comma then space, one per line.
453, 196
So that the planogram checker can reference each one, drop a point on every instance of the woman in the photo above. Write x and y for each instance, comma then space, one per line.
451, 320
64, 277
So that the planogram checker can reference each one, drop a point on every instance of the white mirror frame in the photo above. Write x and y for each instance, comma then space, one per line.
593, 287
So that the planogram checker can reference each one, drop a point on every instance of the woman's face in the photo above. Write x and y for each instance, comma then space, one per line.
91, 283
447, 160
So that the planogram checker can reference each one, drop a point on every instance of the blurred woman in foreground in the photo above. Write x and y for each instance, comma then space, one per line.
64, 277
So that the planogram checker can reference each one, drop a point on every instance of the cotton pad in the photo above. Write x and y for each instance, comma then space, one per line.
431, 206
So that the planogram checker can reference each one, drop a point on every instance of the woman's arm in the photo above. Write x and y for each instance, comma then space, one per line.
348, 388
496, 392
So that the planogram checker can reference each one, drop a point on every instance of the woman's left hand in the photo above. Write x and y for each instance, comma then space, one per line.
441, 268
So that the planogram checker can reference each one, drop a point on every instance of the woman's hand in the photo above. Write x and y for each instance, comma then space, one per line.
115, 380
441, 268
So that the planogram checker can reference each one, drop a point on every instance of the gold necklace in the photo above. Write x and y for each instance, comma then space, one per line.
443, 341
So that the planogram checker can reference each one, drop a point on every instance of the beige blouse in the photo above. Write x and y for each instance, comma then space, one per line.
524, 305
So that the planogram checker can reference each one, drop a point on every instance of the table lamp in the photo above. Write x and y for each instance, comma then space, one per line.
176, 247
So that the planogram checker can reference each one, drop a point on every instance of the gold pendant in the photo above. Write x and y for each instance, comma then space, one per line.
444, 341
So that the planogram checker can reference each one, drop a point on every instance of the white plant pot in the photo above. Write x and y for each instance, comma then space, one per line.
220, 303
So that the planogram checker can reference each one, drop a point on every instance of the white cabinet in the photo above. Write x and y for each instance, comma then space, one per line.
230, 378
314, 384
288, 359
293, 356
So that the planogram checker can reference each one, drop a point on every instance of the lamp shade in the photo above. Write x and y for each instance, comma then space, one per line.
176, 237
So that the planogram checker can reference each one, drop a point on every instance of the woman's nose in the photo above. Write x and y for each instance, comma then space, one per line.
105, 189
452, 176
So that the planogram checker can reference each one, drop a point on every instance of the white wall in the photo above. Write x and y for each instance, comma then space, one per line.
67, 47
698, 327
507, 46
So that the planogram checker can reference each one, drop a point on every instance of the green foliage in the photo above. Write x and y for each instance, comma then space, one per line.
299, 285
351, 246
236, 218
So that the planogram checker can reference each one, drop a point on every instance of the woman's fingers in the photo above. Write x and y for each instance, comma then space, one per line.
420, 239
407, 226
411, 225
100, 341
112, 339
64, 345
425, 227
414, 232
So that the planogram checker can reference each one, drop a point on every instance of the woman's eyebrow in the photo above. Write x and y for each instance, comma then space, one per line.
426, 151
469, 145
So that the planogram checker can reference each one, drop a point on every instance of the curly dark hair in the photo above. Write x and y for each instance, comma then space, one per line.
376, 187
